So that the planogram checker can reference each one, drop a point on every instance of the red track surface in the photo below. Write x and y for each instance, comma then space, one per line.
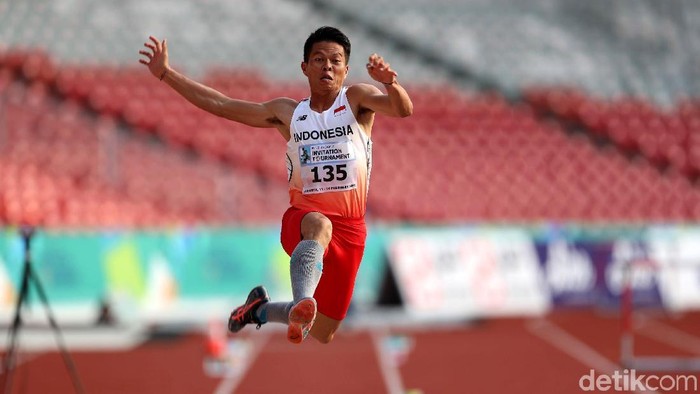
546, 355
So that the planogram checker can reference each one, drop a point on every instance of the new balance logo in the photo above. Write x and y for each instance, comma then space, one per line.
302, 117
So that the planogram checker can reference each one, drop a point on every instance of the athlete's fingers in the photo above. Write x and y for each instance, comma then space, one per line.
155, 42
375, 59
149, 55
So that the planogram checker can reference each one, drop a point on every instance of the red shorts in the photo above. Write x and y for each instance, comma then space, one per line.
340, 261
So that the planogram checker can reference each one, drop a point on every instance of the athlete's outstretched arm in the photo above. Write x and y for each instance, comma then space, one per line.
396, 101
253, 114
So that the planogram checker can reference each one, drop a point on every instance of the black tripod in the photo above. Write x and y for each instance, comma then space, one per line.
27, 276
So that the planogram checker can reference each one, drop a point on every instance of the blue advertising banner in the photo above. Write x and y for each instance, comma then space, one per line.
571, 270
586, 274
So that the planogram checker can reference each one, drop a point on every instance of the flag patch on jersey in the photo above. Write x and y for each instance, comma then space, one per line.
339, 111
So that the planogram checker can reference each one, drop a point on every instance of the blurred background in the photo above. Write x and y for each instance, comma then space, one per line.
553, 144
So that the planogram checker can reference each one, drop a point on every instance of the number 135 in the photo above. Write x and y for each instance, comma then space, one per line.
337, 172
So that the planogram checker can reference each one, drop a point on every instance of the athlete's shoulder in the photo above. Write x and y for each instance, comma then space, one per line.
358, 92
283, 102
363, 88
282, 105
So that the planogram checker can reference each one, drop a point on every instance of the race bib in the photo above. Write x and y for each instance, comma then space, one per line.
328, 167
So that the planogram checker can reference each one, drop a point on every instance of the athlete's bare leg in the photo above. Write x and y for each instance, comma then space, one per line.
324, 328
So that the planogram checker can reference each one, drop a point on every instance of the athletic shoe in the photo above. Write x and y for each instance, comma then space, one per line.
245, 314
301, 318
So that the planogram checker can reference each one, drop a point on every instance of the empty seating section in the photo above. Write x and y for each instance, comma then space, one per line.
669, 138
264, 35
482, 159
644, 48
64, 166
89, 138
152, 107
460, 157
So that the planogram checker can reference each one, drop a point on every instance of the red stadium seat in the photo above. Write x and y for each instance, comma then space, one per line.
458, 158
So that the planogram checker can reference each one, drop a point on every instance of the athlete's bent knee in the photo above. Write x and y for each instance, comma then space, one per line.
318, 227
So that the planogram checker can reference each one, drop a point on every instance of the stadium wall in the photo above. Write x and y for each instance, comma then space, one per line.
449, 272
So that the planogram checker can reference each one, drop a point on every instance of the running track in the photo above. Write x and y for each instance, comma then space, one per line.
515, 355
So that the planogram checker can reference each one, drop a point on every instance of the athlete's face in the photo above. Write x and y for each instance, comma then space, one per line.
327, 66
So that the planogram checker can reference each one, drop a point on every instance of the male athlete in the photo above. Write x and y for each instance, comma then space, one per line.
328, 163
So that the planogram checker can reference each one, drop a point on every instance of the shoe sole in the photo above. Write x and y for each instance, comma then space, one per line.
301, 318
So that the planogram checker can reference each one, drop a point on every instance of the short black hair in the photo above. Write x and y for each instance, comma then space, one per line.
327, 33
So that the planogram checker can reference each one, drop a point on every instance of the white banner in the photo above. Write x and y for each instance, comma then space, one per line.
468, 274
676, 251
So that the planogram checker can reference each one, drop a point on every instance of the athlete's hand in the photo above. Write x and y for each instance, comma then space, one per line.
156, 58
380, 71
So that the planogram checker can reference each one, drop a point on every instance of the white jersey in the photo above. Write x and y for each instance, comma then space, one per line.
329, 160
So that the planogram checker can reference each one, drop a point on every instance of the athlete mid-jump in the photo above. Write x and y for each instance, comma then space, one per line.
329, 159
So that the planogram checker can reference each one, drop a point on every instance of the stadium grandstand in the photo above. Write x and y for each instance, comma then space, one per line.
525, 111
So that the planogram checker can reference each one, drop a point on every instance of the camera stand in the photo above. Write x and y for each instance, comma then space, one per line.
28, 275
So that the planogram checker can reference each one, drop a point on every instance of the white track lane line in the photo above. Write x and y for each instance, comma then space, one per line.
229, 383
574, 347
669, 335
389, 370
